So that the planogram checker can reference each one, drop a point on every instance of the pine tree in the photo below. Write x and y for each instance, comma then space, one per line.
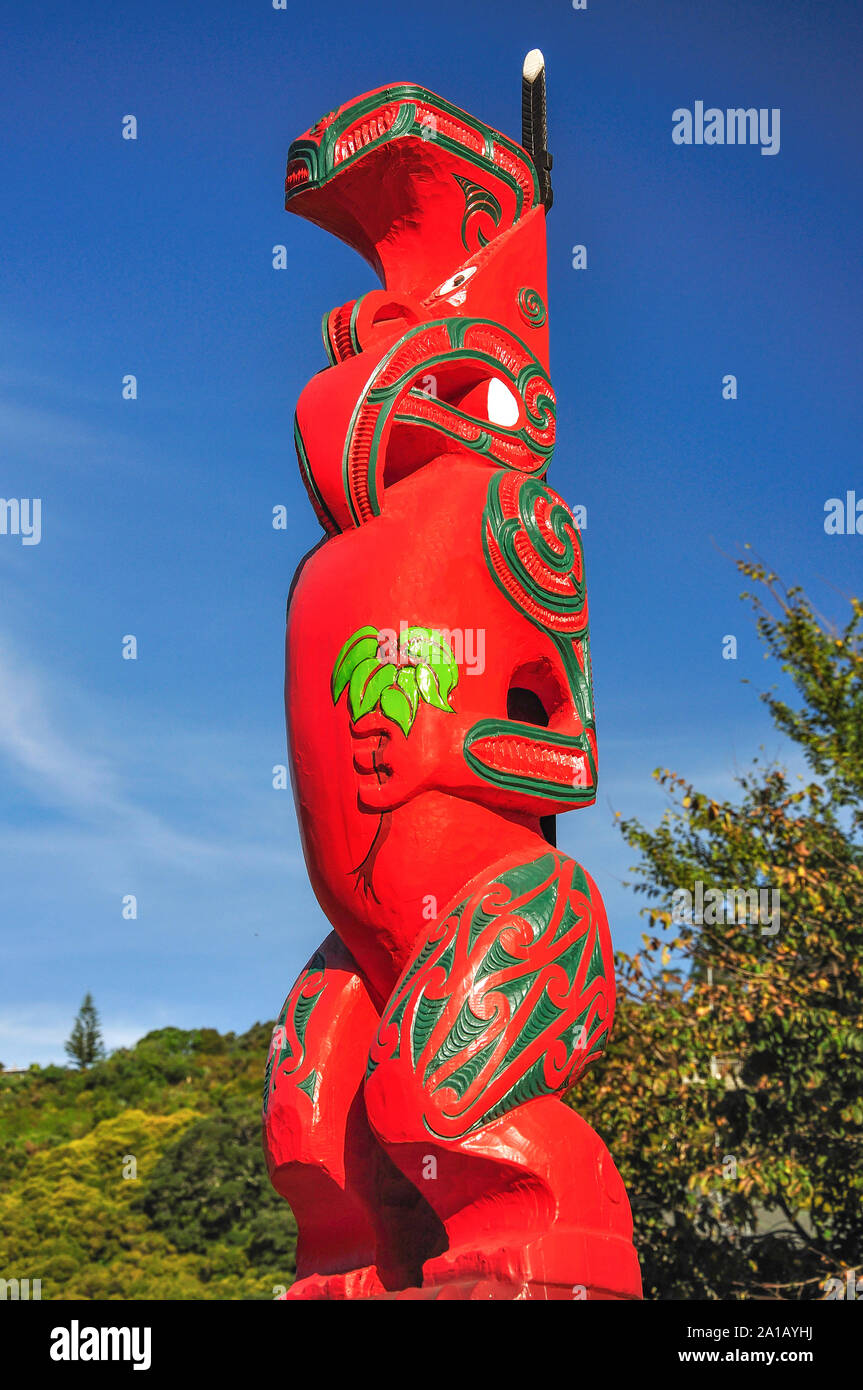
85, 1044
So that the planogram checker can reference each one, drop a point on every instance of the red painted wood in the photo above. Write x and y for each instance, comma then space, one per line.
412, 1109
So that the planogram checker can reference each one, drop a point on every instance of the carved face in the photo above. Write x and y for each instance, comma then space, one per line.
459, 668
438, 639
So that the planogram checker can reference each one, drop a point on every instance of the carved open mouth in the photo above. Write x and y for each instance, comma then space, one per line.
364, 133
297, 176
405, 109
539, 763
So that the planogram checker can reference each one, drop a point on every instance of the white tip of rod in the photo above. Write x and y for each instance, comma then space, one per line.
533, 65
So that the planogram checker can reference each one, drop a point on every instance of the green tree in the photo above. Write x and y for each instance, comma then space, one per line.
85, 1044
212, 1186
732, 1097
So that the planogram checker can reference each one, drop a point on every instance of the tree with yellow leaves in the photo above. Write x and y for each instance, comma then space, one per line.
732, 1096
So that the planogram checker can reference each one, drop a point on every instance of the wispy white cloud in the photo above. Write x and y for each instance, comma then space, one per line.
184, 819
85, 778
34, 432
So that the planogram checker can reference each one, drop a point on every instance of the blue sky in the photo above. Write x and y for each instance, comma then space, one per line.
154, 257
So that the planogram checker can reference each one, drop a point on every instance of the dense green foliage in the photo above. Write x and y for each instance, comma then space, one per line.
732, 1096
143, 1176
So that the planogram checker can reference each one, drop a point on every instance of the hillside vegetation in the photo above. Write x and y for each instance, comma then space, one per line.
143, 1177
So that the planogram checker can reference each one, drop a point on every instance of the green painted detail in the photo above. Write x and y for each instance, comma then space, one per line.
396, 706
530, 876
319, 157
395, 1017
544, 1014
528, 1087
531, 306
406, 680
598, 1047
523, 782
388, 396
579, 881
426, 671
560, 562
464, 1076
539, 910
423, 955
477, 201
497, 958
535, 890
309, 1085
568, 920
268, 1077
360, 646
596, 967
478, 924
322, 121
325, 334
352, 324
308, 477
302, 1011
543, 1017
360, 678
425, 1017
487, 437
374, 689
466, 1029
429, 1010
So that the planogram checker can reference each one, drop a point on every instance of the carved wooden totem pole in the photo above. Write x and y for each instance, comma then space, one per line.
440, 716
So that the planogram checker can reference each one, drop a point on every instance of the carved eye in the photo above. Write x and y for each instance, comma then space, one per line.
455, 282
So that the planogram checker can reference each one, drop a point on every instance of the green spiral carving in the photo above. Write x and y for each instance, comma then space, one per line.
531, 306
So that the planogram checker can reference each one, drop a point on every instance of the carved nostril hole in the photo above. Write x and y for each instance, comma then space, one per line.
526, 707
394, 312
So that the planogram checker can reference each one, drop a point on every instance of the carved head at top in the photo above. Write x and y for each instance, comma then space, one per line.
424, 447
452, 353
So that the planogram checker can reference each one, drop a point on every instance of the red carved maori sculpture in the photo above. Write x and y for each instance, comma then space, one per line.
440, 716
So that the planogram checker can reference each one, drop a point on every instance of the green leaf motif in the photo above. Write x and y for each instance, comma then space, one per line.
447, 677
363, 644
377, 683
427, 671
428, 688
431, 654
406, 680
360, 677
396, 706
